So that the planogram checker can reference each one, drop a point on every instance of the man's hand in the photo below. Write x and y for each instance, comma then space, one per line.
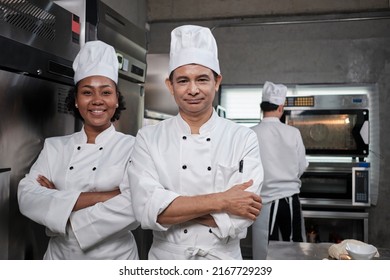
242, 203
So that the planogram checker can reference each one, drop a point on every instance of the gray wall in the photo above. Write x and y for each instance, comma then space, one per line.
184, 10
320, 51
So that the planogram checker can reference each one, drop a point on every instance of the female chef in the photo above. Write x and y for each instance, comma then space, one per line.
195, 178
77, 188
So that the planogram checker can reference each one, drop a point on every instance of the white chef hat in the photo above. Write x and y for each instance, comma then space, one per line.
274, 93
193, 44
96, 58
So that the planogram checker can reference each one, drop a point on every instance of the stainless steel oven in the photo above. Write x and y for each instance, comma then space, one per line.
339, 184
335, 191
331, 125
335, 132
335, 197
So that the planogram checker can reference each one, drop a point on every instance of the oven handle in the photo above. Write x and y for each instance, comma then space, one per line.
364, 132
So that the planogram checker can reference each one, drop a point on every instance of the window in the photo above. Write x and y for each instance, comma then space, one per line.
242, 103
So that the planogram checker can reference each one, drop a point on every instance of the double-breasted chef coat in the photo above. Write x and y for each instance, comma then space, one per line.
283, 154
101, 231
168, 161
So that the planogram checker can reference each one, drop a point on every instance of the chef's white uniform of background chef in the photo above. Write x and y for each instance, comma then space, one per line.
101, 231
168, 161
284, 161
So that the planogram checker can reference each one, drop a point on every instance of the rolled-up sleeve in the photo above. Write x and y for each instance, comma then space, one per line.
93, 224
149, 197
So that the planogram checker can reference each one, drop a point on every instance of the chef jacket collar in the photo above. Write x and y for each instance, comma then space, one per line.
102, 138
270, 119
204, 129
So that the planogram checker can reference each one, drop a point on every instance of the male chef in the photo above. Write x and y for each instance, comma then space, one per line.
284, 158
195, 178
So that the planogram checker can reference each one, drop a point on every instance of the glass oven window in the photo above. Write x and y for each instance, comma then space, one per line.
330, 132
325, 131
328, 185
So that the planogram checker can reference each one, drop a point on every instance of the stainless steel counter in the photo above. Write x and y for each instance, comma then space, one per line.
279, 250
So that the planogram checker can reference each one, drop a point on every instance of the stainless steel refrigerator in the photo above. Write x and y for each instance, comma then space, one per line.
38, 42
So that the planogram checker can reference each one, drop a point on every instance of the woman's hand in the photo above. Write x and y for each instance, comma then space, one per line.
44, 182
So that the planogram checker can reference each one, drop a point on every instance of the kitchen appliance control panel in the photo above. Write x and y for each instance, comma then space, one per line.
360, 186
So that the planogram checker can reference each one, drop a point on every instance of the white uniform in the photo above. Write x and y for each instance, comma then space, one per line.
168, 161
101, 231
284, 158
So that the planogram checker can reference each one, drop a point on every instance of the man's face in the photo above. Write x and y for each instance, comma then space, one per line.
194, 86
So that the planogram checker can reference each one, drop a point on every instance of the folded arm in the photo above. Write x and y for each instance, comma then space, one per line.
85, 199
97, 215
235, 201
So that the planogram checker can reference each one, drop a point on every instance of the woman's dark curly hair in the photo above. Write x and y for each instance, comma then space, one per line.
71, 104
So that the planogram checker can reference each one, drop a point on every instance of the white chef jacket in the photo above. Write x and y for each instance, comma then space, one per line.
168, 161
101, 231
284, 157
283, 154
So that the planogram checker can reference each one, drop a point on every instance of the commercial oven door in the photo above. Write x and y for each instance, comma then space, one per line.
332, 132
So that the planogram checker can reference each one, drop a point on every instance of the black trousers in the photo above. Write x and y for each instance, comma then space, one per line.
289, 225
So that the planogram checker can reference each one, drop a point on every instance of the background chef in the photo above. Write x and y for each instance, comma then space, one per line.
284, 161
77, 188
183, 169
